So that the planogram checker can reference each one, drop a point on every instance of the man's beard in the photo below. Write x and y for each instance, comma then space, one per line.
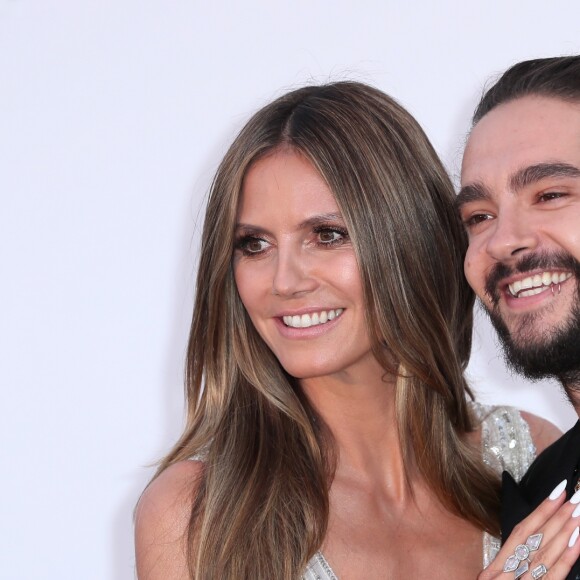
533, 353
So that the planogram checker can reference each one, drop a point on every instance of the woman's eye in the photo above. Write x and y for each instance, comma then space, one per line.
330, 236
250, 245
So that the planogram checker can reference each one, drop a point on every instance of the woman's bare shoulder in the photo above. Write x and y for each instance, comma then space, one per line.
542, 431
161, 522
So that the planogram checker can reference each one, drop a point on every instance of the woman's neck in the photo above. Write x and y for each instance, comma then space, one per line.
360, 413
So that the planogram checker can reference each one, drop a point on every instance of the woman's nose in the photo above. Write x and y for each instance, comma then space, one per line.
293, 273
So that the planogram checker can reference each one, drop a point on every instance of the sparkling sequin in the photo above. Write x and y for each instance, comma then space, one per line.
319, 569
499, 427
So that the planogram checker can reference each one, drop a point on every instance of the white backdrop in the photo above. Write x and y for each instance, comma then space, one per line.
113, 117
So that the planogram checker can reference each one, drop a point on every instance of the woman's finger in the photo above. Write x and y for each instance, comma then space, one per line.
539, 541
557, 556
536, 522
557, 559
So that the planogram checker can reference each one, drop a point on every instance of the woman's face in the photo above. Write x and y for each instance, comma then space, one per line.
296, 271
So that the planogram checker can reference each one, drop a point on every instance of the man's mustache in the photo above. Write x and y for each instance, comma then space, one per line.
529, 263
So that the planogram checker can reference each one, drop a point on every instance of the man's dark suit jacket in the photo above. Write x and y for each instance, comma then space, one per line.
559, 461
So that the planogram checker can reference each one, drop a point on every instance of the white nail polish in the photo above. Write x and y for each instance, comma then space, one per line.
574, 537
558, 490
576, 512
575, 498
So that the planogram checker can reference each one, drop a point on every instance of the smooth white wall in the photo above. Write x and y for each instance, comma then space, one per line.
113, 117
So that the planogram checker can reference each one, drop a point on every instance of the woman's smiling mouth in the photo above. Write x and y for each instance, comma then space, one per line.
312, 319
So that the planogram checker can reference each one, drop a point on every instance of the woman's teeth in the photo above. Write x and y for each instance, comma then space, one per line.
537, 283
312, 319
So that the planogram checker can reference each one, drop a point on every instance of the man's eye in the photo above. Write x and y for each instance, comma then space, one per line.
476, 219
550, 195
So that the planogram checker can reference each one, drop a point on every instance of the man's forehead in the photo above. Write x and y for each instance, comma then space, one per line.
526, 132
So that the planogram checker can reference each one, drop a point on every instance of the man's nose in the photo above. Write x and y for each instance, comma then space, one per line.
293, 273
512, 235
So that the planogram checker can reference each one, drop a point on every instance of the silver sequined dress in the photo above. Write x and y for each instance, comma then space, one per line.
506, 445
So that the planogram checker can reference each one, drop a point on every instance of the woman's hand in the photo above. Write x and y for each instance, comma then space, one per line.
527, 555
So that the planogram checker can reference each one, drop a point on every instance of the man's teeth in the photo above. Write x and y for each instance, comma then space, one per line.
313, 319
537, 283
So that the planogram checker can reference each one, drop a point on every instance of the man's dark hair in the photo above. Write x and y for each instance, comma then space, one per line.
556, 77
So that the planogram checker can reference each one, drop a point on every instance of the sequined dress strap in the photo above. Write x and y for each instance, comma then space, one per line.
319, 569
506, 446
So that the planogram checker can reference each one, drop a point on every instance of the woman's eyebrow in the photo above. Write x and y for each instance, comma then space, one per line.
251, 229
315, 220
318, 219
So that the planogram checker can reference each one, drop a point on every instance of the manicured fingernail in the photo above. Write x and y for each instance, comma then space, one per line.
576, 512
558, 490
574, 537
575, 498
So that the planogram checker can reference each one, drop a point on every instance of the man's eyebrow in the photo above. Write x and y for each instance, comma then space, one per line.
472, 192
518, 181
535, 173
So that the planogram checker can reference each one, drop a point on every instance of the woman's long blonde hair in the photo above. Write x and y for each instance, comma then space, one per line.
260, 509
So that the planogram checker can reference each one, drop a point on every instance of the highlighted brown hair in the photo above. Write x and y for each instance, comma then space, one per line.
261, 507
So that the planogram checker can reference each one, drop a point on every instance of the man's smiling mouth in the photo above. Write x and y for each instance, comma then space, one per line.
312, 319
537, 283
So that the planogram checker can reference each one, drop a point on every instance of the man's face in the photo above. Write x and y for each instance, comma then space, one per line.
520, 203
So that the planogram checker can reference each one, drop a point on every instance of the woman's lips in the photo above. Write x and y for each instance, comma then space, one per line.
309, 319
